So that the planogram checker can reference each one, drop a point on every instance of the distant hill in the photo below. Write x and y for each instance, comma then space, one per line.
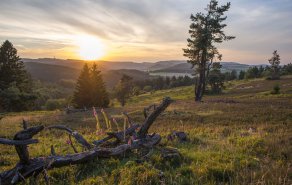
51, 73
186, 67
178, 68
103, 65
171, 66
56, 73
229, 66
165, 64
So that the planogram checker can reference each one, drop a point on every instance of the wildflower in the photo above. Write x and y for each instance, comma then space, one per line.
68, 142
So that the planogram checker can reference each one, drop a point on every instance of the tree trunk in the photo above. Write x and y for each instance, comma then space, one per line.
200, 85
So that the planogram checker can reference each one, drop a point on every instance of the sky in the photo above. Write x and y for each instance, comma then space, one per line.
142, 30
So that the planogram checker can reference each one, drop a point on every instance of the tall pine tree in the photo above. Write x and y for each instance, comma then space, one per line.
15, 82
275, 66
205, 31
99, 93
90, 89
82, 96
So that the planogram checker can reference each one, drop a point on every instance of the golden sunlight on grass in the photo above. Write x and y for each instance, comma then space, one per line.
90, 48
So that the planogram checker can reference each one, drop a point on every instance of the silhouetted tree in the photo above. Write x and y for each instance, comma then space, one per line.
205, 31
252, 72
90, 89
15, 82
99, 94
123, 89
216, 78
82, 96
275, 66
241, 75
286, 69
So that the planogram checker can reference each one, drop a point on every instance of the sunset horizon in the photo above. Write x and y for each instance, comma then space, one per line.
141, 31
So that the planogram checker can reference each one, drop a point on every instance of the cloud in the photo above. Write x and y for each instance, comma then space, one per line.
146, 27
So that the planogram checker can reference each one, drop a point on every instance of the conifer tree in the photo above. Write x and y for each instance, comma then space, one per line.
90, 89
205, 31
82, 95
275, 65
99, 93
123, 89
15, 82
216, 78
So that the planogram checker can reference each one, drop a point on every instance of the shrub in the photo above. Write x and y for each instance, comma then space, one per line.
53, 104
147, 88
276, 89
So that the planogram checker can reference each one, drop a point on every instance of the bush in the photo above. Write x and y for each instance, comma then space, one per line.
276, 89
53, 104
147, 88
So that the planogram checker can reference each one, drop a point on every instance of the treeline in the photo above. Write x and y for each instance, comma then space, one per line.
161, 83
264, 72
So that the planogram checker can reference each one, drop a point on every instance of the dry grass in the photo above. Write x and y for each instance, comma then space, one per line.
241, 137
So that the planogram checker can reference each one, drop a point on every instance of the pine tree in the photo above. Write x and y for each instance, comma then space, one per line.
216, 78
205, 31
82, 95
241, 75
90, 89
123, 89
275, 65
15, 82
99, 93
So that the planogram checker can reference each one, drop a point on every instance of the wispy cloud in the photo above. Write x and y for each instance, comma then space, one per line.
144, 30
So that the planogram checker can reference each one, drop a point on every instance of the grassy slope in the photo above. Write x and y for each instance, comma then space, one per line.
240, 137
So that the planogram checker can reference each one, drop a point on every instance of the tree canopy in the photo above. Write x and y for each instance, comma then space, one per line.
15, 82
90, 89
205, 31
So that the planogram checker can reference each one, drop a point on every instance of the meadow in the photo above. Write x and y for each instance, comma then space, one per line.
243, 136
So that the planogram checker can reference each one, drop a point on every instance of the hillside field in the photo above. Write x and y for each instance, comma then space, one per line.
243, 136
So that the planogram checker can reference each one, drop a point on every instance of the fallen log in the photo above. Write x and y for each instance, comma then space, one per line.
27, 167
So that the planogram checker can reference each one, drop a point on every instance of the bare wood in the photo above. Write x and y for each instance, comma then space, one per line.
24, 124
118, 135
32, 167
53, 150
79, 138
38, 164
72, 145
24, 135
151, 118
16, 142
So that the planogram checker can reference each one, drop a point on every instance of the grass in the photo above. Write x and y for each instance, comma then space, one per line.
243, 136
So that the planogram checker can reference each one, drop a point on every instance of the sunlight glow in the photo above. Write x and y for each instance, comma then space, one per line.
90, 48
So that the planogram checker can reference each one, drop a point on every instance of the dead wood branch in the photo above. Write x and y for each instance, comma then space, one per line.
15, 142
152, 117
79, 138
32, 167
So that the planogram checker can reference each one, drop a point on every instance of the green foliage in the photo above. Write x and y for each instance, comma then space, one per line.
216, 78
90, 89
241, 75
136, 174
15, 82
53, 104
286, 69
275, 66
123, 89
276, 89
147, 88
228, 76
136, 90
205, 31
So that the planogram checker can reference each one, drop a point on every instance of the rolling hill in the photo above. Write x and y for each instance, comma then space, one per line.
56, 73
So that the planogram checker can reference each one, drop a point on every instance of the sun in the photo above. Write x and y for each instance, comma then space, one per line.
90, 48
